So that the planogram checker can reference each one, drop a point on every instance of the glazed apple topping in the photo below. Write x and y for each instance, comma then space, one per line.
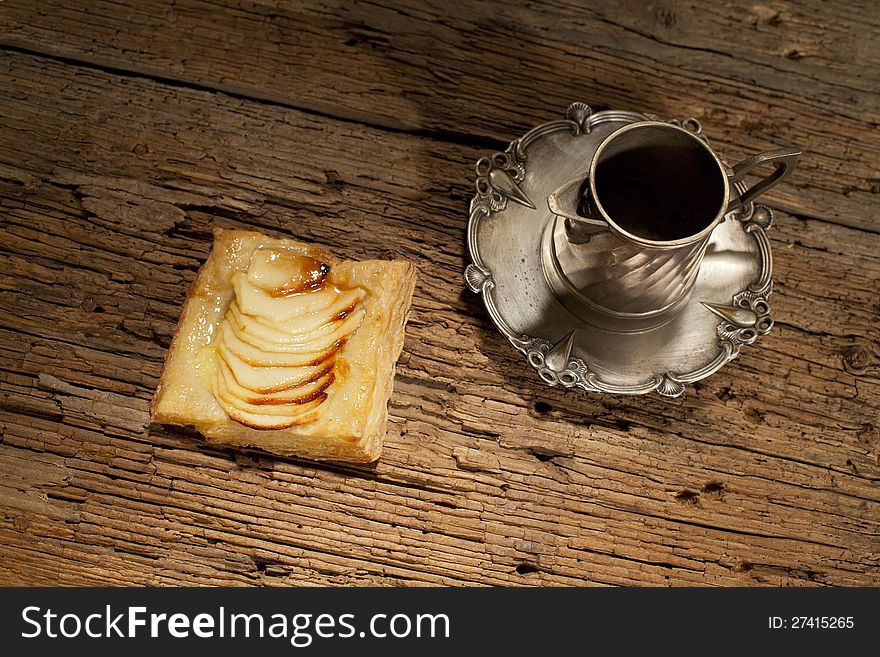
279, 341
280, 273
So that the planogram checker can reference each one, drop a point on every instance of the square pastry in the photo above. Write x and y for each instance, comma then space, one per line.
284, 347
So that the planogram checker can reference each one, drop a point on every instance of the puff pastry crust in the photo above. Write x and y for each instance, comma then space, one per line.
300, 364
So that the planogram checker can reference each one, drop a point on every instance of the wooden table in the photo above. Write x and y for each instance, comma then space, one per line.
129, 129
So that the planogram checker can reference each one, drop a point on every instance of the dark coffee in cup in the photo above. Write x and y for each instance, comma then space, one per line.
641, 219
659, 184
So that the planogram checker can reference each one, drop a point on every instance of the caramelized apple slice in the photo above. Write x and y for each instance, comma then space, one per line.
259, 358
346, 303
290, 411
254, 301
297, 395
301, 353
265, 380
280, 272
250, 328
295, 329
276, 347
269, 422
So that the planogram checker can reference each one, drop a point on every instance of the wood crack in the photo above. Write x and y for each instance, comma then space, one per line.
449, 136
357, 127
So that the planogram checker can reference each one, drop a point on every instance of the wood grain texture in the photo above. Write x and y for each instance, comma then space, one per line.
758, 75
110, 183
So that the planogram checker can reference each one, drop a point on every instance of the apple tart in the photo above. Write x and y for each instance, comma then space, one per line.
283, 347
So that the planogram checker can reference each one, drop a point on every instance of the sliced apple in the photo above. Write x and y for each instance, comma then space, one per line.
222, 393
280, 272
294, 329
259, 358
265, 380
301, 353
276, 347
269, 422
267, 331
254, 301
296, 395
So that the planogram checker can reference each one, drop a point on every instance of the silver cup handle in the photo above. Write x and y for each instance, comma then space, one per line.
785, 160
563, 202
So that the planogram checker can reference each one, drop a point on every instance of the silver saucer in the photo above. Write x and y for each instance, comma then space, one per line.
509, 219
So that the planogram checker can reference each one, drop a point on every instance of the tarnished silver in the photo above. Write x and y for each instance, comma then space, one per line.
534, 255
619, 277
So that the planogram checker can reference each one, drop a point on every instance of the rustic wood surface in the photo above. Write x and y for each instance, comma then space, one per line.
128, 130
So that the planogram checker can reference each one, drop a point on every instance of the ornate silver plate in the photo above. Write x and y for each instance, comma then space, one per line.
509, 220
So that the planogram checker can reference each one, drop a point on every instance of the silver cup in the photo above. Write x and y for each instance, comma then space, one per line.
629, 238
